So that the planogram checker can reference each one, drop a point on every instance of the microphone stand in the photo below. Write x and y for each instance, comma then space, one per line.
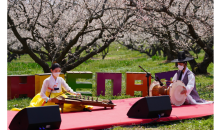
149, 74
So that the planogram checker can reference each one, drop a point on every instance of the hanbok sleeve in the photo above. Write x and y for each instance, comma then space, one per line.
191, 83
66, 86
174, 78
43, 90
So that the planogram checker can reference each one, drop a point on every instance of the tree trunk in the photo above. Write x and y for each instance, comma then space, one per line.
159, 50
46, 69
201, 68
154, 51
82, 59
168, 54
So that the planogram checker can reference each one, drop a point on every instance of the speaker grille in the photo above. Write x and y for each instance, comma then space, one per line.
151, 107
34, 117
44, 114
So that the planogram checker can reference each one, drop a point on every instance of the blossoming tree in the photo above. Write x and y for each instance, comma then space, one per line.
173, 25
68, 32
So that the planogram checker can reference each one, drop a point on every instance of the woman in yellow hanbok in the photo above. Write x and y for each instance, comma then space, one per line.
52, 87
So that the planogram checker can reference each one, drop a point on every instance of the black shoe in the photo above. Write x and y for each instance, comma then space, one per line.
85, 109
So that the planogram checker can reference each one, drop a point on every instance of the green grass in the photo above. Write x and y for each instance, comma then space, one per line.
18, 103
122, 60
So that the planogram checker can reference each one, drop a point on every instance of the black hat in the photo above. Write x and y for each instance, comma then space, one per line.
54, 66
182, 57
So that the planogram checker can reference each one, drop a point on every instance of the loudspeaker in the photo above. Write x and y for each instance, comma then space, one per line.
151, 107
36, 118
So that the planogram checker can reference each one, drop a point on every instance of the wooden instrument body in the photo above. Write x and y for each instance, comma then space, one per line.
173, 91
160, 90
60, 101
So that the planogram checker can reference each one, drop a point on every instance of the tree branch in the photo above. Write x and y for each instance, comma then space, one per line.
184, 12
85, 47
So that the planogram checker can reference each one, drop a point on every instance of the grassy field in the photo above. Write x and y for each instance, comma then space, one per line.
122, 60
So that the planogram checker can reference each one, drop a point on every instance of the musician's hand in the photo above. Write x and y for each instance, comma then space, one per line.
75, 93
184, 91
78, 93
50, 99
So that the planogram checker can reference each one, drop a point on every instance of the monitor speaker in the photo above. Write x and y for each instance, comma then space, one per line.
151, 107
36, 118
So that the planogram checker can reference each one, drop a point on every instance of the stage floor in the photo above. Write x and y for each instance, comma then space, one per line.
100, 118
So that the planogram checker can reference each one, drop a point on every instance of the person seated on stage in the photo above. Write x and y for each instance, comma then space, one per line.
51, 88
188, 78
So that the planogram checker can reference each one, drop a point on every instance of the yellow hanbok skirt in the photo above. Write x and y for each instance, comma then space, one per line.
37, 101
